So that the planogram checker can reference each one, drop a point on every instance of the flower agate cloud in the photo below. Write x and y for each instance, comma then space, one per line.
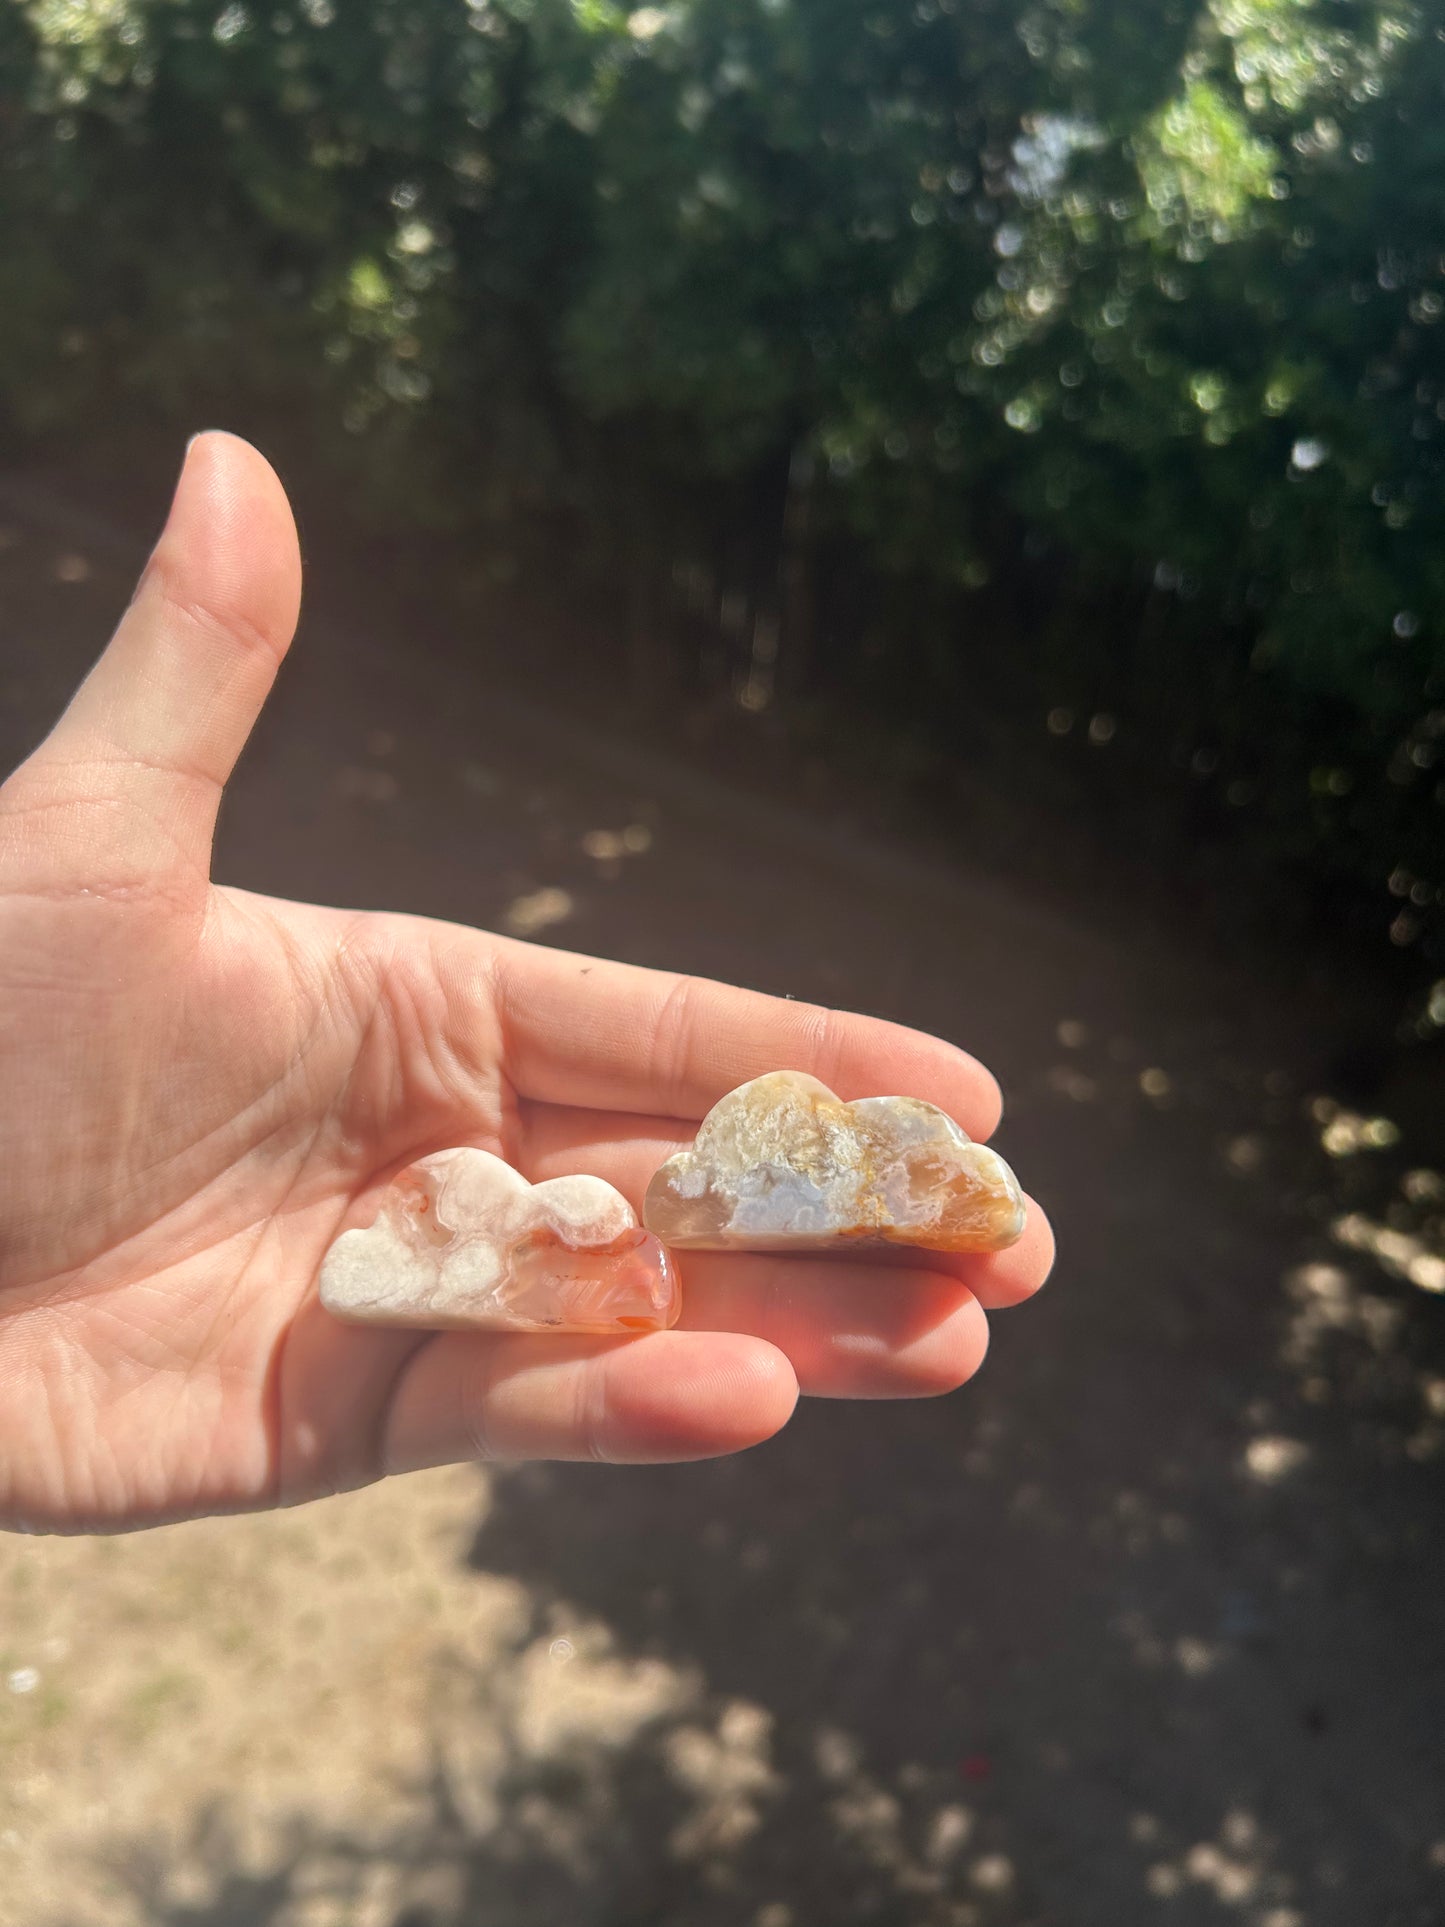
462, 1241
781, 1164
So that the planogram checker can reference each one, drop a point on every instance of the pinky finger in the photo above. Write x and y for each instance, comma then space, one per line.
667, 1397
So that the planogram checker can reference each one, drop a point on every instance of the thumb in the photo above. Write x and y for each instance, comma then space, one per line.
155, 729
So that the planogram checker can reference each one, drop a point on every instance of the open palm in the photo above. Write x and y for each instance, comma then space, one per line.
203, 1086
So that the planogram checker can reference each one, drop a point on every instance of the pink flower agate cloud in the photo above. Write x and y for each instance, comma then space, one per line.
461, 1240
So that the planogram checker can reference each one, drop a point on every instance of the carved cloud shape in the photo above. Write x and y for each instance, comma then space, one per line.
461, 1239
782, 1164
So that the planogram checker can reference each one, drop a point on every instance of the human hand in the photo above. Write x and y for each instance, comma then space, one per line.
202, 1085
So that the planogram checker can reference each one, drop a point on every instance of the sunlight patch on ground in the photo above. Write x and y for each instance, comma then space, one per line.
1345, 1133
282, 1664
1404, 1254
1271, 1458
1233, 1868
538, 910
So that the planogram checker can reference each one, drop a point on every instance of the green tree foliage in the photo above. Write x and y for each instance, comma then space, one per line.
1135, 305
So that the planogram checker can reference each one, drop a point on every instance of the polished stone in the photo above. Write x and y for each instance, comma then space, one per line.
461, 1240
782, 1164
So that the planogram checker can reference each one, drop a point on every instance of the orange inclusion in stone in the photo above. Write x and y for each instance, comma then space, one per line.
628, 1285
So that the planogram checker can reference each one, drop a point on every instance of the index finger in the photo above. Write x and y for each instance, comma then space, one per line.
582, 1031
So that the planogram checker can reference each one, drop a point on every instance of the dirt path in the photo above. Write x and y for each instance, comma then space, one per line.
1144, 1626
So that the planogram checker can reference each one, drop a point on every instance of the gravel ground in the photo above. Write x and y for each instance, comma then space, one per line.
1142, 1627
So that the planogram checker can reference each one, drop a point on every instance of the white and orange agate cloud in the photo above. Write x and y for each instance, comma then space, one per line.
782, 1164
